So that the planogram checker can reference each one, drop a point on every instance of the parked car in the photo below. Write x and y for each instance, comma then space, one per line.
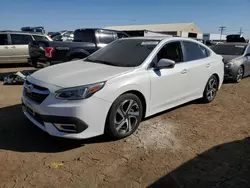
14, 45
236, 58
63, 36
86, 41
113, 89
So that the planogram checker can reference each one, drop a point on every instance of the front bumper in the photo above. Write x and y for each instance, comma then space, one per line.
229, 73
89, 116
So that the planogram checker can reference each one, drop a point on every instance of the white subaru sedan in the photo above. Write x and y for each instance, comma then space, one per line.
113, 89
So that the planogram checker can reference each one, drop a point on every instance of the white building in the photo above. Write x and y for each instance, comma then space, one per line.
175, 29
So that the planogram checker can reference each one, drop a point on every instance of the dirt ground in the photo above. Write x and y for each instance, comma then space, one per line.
195, 145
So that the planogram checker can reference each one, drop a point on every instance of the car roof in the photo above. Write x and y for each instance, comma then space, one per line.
99, 29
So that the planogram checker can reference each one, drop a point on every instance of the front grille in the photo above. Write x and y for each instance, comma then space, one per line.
35, 92
36, 86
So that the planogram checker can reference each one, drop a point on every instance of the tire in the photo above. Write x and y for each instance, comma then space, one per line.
240, 73
211, 89
126, 110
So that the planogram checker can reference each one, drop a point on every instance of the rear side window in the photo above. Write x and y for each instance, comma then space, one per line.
3, 39
20, 39
194, 51
105, 37
40, 38
84, 35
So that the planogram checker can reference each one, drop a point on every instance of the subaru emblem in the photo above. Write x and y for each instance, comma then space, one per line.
29, 88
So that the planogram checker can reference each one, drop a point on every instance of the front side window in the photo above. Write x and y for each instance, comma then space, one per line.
105, 37
124, 53
194, 51
3, 39
229, 49
20, 39
170, 51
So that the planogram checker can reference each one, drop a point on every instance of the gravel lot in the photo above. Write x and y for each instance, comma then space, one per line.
195, 145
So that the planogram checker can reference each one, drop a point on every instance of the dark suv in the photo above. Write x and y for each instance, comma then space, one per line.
85, 42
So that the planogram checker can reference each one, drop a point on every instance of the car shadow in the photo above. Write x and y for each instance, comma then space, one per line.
17, 133
223, 166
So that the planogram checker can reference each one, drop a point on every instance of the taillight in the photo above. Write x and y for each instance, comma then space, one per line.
49, 51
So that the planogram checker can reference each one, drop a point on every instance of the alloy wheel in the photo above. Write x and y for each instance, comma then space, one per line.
127, 116
239, 75
211, 89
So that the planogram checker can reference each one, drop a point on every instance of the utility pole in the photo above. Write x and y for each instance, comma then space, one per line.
221, 29
241, 31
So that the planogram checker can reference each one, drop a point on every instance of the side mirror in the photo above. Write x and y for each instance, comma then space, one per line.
248, 55
165, 64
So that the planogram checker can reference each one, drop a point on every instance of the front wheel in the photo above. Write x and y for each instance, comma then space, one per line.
210, 89
239, 75
125, 116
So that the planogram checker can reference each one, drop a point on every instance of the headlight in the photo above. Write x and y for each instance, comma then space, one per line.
81, 92
230, 64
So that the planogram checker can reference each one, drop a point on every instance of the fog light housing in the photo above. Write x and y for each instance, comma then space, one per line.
69, 128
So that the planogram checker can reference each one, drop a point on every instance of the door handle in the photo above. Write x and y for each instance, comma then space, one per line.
13, 47
184, 71
6, 47
208, 65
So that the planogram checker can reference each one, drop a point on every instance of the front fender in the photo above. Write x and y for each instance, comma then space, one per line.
77, 51
118, 86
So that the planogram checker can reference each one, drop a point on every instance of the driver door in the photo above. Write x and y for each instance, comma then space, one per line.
169, 85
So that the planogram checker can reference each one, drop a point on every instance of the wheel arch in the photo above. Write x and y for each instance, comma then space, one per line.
218, 79
77, 53
142, 99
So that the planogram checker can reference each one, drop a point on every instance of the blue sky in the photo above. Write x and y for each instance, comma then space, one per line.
56, 15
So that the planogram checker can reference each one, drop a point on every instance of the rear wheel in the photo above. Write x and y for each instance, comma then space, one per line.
239, 75
210, 89
125, 116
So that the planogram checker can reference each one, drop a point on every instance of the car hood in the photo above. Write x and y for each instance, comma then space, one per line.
228, 58
77, 73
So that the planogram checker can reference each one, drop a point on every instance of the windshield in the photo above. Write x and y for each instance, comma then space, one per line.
229, 49
124, 53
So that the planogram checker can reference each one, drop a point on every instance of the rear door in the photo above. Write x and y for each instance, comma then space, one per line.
199, 67
19, 47
5, 52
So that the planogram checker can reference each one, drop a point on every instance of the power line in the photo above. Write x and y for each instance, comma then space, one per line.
221, 29
240, 31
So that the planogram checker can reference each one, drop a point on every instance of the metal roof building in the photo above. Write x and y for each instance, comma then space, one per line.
177, 29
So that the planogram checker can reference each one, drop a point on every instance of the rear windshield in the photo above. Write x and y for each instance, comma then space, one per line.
233, 49
124, 53
84, 35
